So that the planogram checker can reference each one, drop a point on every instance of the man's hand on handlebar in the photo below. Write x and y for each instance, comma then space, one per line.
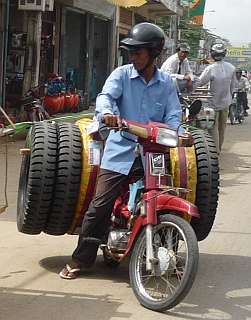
112, 121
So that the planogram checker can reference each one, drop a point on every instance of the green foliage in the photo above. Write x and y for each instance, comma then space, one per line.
190, 33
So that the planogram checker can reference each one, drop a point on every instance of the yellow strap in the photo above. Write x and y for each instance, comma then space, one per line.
86, 170
175, 167
191, 167
191, 173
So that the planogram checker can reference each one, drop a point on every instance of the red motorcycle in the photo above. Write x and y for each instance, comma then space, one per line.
150, 219
151, 224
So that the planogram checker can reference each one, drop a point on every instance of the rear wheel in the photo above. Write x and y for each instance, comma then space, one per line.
37, 178
176, 249
67, 182
207, 188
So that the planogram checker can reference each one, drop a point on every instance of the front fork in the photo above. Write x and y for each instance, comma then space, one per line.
149, 247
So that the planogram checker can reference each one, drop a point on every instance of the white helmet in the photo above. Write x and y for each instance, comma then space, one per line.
218, 51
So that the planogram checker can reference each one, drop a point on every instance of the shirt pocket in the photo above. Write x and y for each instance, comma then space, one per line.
157, 112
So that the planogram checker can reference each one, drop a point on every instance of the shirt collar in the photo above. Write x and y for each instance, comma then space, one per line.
156, 76
134, 73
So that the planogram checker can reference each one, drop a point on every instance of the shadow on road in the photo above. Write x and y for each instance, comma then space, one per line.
222, 290
234, 168
40, 305
99, 271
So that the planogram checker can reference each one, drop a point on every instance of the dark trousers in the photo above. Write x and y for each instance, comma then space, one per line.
97, 219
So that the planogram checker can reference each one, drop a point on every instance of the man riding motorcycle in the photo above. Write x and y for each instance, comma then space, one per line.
242, 87
138, 92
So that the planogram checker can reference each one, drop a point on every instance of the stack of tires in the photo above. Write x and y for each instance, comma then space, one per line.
49, 178
57, 183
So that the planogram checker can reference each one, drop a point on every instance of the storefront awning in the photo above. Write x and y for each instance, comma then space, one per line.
128, 3
168, 7
159, 8
97, 7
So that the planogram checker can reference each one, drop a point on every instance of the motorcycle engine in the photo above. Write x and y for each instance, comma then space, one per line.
118, 239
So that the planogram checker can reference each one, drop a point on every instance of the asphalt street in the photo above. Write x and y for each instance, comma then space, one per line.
30, 288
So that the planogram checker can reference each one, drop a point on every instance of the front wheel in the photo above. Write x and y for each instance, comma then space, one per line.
176, 249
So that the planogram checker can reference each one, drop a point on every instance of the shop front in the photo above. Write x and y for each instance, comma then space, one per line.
87, 45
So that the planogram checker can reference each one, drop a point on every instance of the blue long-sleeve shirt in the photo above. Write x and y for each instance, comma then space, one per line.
127, 94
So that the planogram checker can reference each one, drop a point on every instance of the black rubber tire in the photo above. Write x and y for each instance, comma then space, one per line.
207, 188
67, 182
37, 178
190, 270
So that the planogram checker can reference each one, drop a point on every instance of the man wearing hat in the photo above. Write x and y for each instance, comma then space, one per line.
178, 65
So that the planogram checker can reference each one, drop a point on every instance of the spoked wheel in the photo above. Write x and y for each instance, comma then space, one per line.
176, 249
232, 113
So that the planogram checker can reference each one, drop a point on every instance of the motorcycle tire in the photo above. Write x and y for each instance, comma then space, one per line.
177, 277
232, 114
37, 178
207, 188
67, 179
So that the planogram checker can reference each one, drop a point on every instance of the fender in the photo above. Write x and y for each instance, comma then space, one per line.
173, 203
139, 223
165, 202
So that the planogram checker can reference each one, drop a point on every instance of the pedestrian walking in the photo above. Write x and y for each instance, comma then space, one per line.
221, 79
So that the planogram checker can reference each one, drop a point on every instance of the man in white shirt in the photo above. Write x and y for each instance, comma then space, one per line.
178, 66
242, 88
221, 79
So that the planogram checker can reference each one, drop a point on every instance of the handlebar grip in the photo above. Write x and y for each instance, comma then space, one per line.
138, 131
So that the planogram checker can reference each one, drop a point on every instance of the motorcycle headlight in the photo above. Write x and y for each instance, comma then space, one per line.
167, 137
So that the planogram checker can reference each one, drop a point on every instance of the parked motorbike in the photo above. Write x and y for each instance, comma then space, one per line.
204, 118
236, 109
32, 106
151, 223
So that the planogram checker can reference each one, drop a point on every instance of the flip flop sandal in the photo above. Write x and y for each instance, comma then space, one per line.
69, 273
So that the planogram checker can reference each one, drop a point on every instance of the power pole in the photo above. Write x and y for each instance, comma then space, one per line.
4, 31
33, 45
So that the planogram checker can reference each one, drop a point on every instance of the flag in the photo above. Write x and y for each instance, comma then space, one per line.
128, 3
196, 11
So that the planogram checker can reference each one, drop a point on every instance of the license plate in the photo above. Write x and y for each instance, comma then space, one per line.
157, 163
